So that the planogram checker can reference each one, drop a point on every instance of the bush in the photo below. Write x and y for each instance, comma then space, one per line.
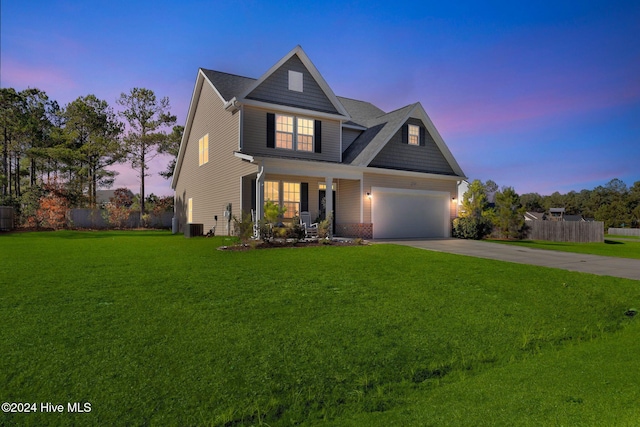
324, 227
471, 228
119, 208
296, 231
243, 227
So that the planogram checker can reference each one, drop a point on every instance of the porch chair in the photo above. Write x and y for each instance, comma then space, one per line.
310, 230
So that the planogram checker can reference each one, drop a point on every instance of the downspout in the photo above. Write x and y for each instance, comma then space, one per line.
259, 200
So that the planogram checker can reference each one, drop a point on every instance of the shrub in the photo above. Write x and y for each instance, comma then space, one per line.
471, 228
296, 231
119, 208
324, 227
243, 227
265, 230
52, 212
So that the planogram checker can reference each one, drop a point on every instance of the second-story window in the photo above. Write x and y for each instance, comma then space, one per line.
305, 135
284, 132
414, 135
294, 133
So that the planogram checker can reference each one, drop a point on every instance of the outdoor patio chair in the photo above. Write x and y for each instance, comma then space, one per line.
310, 230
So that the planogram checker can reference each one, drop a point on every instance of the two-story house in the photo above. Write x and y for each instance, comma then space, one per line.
286, 137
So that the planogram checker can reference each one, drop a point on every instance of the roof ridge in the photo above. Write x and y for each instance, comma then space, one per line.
401, 108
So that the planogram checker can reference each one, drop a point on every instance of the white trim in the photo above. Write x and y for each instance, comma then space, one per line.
195, 97
341, 150
362, 197
338, 170
240, 127
244, 156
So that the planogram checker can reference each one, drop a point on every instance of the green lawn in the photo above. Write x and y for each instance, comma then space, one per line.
155, 329
614, 248
616, 236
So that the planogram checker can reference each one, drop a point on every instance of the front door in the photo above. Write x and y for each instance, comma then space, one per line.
322, 197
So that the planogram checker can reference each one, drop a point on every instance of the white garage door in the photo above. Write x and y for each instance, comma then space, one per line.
404, 214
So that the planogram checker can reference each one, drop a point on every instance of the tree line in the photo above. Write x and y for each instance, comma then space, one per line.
486, 209
69, 150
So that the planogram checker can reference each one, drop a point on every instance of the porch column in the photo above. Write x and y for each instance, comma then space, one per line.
259, 200
329, 202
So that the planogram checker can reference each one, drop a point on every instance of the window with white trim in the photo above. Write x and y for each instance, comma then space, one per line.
414, 135
284, 132
304, 134
203, 150
190, 210
272, 191
291, 198
295, 134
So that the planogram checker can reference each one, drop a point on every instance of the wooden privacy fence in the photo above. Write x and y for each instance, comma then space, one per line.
567, 231
95, 219
6, 218
625, 231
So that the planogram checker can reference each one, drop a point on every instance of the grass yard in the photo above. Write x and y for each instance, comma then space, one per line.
616, 236
614, 248
156, 329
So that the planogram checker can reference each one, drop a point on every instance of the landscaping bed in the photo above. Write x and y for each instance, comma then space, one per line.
291, 243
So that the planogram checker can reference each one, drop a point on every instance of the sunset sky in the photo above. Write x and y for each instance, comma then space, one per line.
540, 96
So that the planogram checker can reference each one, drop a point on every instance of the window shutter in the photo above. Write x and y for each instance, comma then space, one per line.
317, 132
423, 132
271, 130
304, 197
405, 134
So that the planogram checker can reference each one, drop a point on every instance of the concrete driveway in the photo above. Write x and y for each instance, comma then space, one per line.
594, 264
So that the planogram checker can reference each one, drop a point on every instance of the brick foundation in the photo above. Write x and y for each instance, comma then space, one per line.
364, 231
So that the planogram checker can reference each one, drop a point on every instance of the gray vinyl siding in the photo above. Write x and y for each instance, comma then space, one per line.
348, 136
215, 184
409, 183
255, 138
348, 199
275, 89
399, 155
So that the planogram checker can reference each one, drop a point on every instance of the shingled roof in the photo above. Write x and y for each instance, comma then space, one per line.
228, 85
378, 126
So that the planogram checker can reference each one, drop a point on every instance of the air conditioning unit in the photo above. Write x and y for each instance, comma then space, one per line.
193, 230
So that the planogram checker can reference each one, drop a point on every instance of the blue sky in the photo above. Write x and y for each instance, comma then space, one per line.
540, 96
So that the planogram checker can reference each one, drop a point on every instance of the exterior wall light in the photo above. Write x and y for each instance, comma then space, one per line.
369, 195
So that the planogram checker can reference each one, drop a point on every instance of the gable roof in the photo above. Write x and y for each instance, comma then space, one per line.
313, 71
378, 127
228, 85
381, 128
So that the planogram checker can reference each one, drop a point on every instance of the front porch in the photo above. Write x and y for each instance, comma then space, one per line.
341, 197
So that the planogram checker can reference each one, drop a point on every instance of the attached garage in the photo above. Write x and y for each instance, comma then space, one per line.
406, 214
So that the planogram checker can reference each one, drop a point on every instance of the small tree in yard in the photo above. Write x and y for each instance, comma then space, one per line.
509, 215
47, 206
272, 213
475, 216
118, 208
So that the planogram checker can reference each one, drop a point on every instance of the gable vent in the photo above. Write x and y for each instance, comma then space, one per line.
295, 81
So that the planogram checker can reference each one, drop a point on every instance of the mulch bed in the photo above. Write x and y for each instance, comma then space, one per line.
279, 243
